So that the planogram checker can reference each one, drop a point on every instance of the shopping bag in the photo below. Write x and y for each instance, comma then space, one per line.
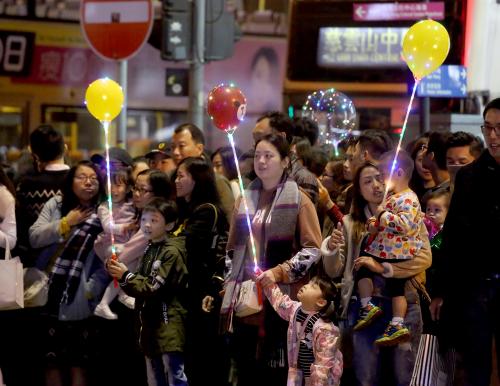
431, 368
248, 302
11, 281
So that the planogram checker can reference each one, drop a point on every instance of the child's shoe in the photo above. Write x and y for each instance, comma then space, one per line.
126, 300
102, 310
367, 315
393, 335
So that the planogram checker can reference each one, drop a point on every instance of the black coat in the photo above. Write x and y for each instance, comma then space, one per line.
472, 228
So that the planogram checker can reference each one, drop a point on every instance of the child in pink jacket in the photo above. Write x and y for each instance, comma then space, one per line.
313, 355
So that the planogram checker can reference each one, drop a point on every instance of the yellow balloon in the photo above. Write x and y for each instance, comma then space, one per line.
104, 99
425, 47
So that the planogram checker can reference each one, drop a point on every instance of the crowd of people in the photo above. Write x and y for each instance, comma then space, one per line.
348, 262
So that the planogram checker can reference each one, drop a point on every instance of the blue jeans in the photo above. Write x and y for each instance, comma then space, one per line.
389, 365
166, 370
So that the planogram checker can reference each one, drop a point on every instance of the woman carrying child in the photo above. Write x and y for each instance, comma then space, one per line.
341, 252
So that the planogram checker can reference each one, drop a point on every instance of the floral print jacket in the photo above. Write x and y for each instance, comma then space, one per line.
327, 367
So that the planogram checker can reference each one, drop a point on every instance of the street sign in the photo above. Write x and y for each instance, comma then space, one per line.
446, 82
116, 29
398, 11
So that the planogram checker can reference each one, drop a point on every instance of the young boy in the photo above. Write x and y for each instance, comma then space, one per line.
313, 355
159, 287
394, 237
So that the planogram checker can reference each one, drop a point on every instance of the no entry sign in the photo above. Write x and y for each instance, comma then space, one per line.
116, 29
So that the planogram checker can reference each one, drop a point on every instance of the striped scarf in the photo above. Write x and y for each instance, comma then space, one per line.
68, 267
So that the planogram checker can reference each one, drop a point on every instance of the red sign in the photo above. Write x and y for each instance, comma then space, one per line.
116, 29
398, 11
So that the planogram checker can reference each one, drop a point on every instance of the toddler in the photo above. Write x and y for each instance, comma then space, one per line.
124, 216
436, 210
394, 236
314, 358
159, 287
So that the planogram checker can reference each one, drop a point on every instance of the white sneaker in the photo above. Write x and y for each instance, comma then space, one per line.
126, 300
102, 310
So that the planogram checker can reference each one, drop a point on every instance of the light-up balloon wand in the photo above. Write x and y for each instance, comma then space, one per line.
104, 100
425, 47
226, 107
335, 115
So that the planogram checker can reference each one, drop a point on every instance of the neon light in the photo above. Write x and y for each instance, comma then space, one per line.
105, 125
401, 136
245, 204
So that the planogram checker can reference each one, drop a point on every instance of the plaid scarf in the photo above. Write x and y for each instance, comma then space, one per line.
67, 269
278, 239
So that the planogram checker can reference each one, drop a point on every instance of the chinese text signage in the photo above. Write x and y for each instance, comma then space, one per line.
360, 47
398, 11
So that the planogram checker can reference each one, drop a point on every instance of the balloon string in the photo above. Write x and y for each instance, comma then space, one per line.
105, 124
401, 136
245, 204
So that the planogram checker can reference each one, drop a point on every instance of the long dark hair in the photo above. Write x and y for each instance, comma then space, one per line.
70, 201
5, 181
416, 183
226, 154
205, 189
359, 203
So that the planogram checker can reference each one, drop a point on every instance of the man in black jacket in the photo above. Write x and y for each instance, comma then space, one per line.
471, 268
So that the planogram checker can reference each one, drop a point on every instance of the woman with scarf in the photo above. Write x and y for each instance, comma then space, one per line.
287, 239
67, 228
342, 257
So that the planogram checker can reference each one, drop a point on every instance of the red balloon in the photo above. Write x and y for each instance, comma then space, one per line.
226, 106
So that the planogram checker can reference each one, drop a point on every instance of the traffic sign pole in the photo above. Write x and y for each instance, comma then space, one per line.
196, 67
122, 118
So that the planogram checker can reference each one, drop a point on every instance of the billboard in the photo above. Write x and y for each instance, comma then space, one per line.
360, 47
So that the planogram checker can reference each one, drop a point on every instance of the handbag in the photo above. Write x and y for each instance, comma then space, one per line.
431, 368
11, 281
249, 300
36, 282
36, 287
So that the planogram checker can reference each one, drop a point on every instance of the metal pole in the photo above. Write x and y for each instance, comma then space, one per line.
122, 118
425, 115
196, 68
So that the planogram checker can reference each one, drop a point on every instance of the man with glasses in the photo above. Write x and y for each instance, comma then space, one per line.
470, 316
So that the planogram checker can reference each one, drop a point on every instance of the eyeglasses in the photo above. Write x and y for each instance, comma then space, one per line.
488, 129
83, 178
140, 190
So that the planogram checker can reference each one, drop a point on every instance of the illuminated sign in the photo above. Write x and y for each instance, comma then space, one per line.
446, 82
360, 47
398, 11
15, 52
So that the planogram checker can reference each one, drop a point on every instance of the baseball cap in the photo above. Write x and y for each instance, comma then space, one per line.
162, 149
115, 153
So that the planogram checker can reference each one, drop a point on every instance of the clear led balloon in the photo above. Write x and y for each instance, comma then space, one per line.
334, 113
